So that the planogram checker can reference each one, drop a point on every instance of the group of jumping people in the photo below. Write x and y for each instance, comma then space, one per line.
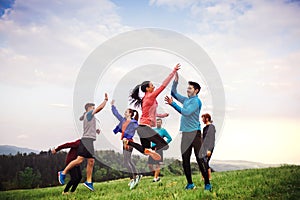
153, 138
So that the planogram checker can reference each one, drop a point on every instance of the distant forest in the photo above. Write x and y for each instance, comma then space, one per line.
32, 170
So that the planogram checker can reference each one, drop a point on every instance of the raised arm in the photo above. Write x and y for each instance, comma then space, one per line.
174, 92
156, 92
101, 106
192, 107
115, 111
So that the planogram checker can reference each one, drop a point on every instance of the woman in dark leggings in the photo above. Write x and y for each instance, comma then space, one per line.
148, 119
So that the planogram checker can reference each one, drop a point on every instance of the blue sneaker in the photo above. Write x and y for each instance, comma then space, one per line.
208, 187
61, 177
89, 185
190, 186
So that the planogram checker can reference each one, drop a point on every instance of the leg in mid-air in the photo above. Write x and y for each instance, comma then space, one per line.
62, 174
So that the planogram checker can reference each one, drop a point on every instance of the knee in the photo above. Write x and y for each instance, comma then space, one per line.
79, 160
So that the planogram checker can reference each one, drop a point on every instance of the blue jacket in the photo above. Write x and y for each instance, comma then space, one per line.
132, 126
190, 111
162, 133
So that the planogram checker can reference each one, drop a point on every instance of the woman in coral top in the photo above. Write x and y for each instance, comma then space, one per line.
148, 119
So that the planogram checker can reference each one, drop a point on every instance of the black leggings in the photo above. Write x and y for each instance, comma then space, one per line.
128, 162
76, 176
189, 141
148, 135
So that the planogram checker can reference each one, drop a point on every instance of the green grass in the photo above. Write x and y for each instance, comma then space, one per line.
270, 183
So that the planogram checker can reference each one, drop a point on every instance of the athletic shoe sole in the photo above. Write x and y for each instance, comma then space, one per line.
58, 173
153, 154
91, 189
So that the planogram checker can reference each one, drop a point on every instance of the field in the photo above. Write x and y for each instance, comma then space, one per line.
270, 183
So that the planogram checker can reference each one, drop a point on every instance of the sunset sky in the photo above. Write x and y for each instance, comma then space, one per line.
255, 46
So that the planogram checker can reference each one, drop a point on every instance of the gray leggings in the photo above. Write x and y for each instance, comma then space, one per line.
130, 166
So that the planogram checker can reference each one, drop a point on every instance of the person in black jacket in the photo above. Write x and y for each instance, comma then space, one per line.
208, 139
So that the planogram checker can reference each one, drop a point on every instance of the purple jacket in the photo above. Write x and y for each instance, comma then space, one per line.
130, 129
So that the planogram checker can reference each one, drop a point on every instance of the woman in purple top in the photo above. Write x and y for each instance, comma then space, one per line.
127, 126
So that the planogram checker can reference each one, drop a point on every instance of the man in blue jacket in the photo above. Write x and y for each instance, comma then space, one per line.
191, 130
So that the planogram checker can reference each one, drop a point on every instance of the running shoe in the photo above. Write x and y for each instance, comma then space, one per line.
190, 186
136, 181
208, 187
131, 180
153, 154
156, 179
89, 185
61, 177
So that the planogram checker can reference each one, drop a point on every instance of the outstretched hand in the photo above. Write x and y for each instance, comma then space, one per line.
168, 100
53, 151
177, 67
112, 102
106, 97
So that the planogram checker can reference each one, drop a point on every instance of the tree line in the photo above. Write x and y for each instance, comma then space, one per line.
24, 171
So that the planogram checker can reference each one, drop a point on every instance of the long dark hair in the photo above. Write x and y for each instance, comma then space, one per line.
134, 96
134, 114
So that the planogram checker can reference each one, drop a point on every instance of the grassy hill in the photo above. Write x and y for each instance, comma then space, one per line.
270, 183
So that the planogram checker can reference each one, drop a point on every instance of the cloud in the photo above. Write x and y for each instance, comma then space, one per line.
23, 136
57, 105
173, 4
42, 42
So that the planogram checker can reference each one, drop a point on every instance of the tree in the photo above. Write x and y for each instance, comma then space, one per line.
28, 178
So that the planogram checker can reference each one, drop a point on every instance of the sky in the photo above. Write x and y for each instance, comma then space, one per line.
255, 46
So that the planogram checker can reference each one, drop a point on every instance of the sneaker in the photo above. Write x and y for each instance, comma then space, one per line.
208, 187
153, 154
138, 178
135, 182
89, 185
61, 177
132, 184
131, 180
156, 179
190, 186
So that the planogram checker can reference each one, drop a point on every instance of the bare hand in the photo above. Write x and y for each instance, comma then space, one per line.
106, 97
168, 100
208, 153
53, 151
98, 131
112, 102
176, 77
177, 67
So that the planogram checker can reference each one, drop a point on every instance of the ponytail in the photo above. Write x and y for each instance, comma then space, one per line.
134, 114
134, 96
